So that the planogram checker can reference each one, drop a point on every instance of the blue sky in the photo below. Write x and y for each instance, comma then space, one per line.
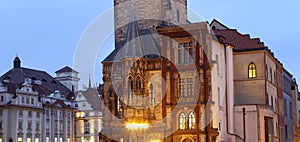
46, 33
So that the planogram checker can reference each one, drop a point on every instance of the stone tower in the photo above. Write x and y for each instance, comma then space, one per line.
149, 14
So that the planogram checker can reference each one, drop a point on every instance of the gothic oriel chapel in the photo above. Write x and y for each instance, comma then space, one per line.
158, 82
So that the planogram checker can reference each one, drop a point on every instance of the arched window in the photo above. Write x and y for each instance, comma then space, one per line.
152, 100
182, 121
192, 122
130, 89
138, 84
252, 70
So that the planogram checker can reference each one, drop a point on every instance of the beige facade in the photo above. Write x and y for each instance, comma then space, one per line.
88, 118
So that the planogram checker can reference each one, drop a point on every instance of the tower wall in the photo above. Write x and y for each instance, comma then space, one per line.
149, 13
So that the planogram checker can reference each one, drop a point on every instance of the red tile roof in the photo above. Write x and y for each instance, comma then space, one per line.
238, 40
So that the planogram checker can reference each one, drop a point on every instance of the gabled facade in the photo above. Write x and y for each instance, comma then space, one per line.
88, 119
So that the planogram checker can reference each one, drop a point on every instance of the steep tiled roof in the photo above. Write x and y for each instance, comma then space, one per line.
147, 47
238, 40
66, 69
48, 85
92, 96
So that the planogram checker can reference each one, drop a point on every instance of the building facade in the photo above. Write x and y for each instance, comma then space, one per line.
88, 119
35, 107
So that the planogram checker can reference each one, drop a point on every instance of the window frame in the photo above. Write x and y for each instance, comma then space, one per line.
252, 71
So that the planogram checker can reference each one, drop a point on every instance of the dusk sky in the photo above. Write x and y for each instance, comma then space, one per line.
46, 34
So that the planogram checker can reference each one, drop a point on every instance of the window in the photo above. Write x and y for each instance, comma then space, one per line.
178, 18
2, 99
285, 131
32, 101
55, 139
217, 62
266, 70
60, 140
192, 122
37, 140
272, 101
252, 70
219, 97
1, 125
185, 53
271, 74
23, 100
20, 126
29, 114
20, 112
28, 140
47, 139
1, 112
182, 122
37, 114
86, 126
152, 99
285, 107
37, 127
138, 84
130, 89
27, 100
186, 87
290, 107
20, 139
29, 126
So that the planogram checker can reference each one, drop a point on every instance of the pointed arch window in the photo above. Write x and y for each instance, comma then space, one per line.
182, 121
192, 121
130, 89
152, 100
138, 84
252, 70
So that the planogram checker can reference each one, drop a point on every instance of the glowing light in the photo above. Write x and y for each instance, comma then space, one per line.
137, 126
155, 141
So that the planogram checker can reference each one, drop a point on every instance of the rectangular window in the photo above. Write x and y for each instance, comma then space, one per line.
20, 125
20, 112
68, 140
28, 139
186, 86
23, 100
1, 112
37, 140
37, 114
37, 127
55, 139
291, 113
185, 53
27, 100
1, 140
2, 99
1, 125
29, 114
20, 139
47, 139
32, 101
29, 126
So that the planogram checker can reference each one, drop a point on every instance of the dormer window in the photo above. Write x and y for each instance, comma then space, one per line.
252, 70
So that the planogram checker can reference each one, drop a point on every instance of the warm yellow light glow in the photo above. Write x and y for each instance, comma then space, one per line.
137, 126
155, 141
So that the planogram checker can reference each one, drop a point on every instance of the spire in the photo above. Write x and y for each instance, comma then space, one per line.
133, 42
90, 82
17, 62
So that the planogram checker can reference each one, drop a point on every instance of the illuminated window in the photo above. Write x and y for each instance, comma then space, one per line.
192, 122
86, 126
20, 139
182, 121
28, 140
252, 70
47, 139
37, 140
